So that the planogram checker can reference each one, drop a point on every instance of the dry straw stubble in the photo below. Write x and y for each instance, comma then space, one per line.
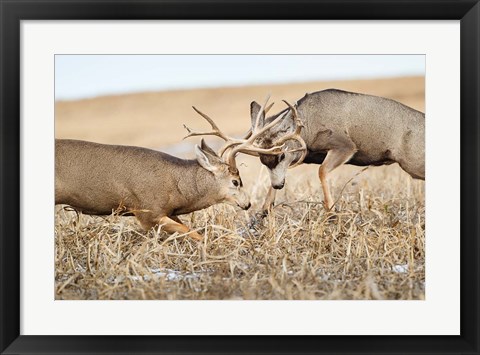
372, 247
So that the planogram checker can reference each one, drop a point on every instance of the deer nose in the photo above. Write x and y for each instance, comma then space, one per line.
247, 206
279, 186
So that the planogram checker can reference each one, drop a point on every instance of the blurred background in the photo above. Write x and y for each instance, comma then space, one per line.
145, 99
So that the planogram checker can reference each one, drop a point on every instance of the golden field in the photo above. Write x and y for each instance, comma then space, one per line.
371, 247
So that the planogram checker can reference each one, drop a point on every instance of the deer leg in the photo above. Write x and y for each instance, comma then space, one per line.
146, 219
194, 235
170, 224
176, 219
334, 159
269, 200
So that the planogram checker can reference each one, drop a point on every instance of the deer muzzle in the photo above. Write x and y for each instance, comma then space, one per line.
279, 186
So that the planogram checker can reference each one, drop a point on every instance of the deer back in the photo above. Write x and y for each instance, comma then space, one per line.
380, 129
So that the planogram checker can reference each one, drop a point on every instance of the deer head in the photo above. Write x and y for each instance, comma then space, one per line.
227, 177
283, 131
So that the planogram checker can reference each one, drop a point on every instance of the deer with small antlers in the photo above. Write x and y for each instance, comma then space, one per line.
155, 187
336, 127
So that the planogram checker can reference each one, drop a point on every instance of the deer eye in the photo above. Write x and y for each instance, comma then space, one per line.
282, 156
235, 183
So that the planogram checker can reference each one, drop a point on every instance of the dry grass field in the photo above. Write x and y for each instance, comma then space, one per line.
371, 247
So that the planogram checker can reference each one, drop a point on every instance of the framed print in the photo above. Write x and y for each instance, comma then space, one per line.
320, 197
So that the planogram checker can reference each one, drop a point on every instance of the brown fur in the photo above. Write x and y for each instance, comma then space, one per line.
344, 127
155, 187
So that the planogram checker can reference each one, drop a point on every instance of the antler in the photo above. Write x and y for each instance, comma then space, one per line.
247, 146
249, 132
214, 132
295, 136
236, 145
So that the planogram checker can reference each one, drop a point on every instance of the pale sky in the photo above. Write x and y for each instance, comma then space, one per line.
84, 76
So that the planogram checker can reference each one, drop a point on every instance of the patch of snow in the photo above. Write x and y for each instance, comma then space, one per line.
170, 275
173, 275
401, 269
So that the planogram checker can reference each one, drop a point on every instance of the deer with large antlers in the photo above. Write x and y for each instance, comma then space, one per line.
246, 145
154, 187
340, 127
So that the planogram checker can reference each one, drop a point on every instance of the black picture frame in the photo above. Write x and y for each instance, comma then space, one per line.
12, 12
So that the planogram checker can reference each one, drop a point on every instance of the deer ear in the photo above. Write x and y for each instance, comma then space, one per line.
206, 148
254, 109
208, 162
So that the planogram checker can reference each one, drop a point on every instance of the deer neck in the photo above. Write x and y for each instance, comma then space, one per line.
198, 189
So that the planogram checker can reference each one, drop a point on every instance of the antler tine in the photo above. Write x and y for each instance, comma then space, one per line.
304, 151
227, 146
254, 151
265, 128
209, 120
262, 108
295, 136
215, 130
257, 150
249, 132
298, 122
269, 107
